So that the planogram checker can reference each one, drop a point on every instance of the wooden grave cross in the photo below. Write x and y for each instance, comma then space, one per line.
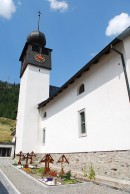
62, 160
20, 154
47, 159
31, 157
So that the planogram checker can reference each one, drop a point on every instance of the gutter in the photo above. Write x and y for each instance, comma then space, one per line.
14, 147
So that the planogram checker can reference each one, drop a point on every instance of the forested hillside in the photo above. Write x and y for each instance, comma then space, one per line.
8, 99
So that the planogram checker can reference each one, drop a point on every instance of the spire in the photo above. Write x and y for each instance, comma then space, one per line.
39, 14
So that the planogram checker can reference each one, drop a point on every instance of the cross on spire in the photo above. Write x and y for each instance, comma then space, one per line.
39, 14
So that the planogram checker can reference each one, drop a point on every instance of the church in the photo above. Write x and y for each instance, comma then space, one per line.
87, 118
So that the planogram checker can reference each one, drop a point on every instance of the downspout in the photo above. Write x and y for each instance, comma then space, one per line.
14, 147
124, 69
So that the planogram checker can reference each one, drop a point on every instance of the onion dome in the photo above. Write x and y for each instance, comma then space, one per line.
37, 37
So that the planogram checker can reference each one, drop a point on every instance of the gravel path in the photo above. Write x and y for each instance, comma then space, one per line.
26, 185
22, 183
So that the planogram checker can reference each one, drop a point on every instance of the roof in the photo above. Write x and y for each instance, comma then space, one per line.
53, 90
7, 143
95, 60
37, 37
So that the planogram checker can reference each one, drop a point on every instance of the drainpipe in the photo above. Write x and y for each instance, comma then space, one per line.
14, 147
124, 69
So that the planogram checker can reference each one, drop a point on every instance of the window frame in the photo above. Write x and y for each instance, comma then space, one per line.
81, 89
81, 123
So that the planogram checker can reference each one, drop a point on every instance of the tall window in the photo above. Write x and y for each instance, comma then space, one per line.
44, 136
82, 123
81, 89
44, 115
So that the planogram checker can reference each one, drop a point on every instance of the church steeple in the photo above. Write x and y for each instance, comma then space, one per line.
35, 52
34, 88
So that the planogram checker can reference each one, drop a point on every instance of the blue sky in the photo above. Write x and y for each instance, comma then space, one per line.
76, 30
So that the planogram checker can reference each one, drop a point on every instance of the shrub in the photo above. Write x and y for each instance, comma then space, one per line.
91, 174
67, 175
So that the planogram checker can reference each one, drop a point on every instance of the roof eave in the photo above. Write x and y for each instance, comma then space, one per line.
95, 60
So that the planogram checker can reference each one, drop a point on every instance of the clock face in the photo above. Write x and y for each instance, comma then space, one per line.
40, 58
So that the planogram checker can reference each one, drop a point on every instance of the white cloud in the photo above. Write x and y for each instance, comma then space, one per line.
118, 24
7, 8
58, 5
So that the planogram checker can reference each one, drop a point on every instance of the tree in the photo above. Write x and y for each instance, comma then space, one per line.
8, 99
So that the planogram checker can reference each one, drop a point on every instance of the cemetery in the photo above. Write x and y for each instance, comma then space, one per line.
42, 170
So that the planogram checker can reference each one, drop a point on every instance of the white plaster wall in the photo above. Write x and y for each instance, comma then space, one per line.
34, 88
107, 112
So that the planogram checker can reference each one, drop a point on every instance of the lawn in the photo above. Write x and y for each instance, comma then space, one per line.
6, 127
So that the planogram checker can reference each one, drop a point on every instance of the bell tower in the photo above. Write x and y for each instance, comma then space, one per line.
34, 88
35, 52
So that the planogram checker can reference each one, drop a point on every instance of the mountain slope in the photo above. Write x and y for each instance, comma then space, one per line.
6, 128
8, 99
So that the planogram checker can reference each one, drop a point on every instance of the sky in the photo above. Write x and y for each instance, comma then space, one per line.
76, 30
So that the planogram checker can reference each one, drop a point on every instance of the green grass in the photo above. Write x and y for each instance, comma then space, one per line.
70, 181
6, 126
38, 170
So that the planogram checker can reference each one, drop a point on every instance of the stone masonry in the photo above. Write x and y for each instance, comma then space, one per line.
115, 164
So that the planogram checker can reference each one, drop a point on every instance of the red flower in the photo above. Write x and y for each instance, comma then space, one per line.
53, 173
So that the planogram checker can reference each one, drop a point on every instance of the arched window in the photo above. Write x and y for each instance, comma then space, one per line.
81, 89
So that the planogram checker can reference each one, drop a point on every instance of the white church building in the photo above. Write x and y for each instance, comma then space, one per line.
87, 117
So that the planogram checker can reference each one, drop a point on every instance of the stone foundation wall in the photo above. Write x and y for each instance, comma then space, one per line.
114, 164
